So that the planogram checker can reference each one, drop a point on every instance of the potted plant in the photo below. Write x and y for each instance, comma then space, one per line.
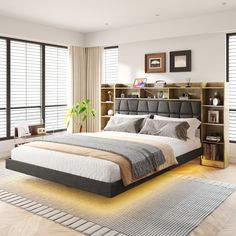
79, 112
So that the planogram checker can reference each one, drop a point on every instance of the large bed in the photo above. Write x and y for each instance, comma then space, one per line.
99, 175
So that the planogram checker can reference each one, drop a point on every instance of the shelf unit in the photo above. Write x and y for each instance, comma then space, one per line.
215, 154
170, 92
197, 92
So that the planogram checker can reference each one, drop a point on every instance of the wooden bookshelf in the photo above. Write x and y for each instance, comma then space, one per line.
215, 154
197, 92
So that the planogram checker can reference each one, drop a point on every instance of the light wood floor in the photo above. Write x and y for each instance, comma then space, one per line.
222, 222
17, 222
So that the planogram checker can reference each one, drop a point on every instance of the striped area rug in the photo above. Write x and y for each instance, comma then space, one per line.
176, 210
60, 217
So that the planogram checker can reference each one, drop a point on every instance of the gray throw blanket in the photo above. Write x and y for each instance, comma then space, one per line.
144, 158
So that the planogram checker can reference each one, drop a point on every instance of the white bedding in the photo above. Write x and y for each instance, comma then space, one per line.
90, 167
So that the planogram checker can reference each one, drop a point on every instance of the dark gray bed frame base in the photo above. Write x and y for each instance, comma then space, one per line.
90, 185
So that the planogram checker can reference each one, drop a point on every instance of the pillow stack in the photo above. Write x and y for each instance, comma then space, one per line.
180, 128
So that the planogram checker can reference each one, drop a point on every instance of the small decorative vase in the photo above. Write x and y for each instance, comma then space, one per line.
109, 96
110, 112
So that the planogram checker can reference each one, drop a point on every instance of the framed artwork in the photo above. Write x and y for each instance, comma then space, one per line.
180, 61
140, 83
213, 116
155, 63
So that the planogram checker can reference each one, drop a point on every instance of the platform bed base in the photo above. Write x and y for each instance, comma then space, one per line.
86, 184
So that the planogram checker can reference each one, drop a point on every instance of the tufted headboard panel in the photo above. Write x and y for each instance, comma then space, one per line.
168, 108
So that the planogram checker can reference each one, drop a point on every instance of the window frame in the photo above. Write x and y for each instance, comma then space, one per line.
227, 68
8, 82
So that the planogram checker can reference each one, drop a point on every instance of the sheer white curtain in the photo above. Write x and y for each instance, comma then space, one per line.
85, 76
94, 72
77, 81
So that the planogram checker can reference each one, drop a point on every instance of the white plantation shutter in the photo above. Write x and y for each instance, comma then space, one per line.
111, 65
232, 86
25, 83
33, 85
56, 65
3, 88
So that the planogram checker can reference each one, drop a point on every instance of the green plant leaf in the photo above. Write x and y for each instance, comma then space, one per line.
83, 109
84, 118
79, 112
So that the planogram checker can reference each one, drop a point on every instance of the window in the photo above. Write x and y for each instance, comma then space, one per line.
55, 84
33, 84
25, 83
111, 65
3, 88
231, 76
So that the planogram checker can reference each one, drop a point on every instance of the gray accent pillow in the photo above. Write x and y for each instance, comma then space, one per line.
151, 127
121, 124
171, 129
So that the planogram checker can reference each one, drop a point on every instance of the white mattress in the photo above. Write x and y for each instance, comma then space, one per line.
90, 167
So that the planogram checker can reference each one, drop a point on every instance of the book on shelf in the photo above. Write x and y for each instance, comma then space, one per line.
211, 152
213, 138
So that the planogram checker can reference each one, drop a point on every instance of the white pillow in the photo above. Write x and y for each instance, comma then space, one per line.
194, 123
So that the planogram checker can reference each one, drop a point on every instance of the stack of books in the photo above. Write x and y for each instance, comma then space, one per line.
211, 152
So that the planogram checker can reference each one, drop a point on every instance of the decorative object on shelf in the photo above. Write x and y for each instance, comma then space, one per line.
23, 129
213, 138
211, 101
110, 112
184, 96
161, 94
122, 95
216, 100
140, 83
79, 112
133, 95
109, 96
188, 85
180, 61
41, 131
213, 116
155, 63
160, 84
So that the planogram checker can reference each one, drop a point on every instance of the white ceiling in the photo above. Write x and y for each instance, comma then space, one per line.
95, 15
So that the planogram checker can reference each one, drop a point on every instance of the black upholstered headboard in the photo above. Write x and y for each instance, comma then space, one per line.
168, 108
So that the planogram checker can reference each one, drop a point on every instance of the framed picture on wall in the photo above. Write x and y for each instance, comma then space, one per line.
180, 61
155, 63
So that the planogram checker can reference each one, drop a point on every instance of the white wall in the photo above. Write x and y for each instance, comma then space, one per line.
208, 58
16, 28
